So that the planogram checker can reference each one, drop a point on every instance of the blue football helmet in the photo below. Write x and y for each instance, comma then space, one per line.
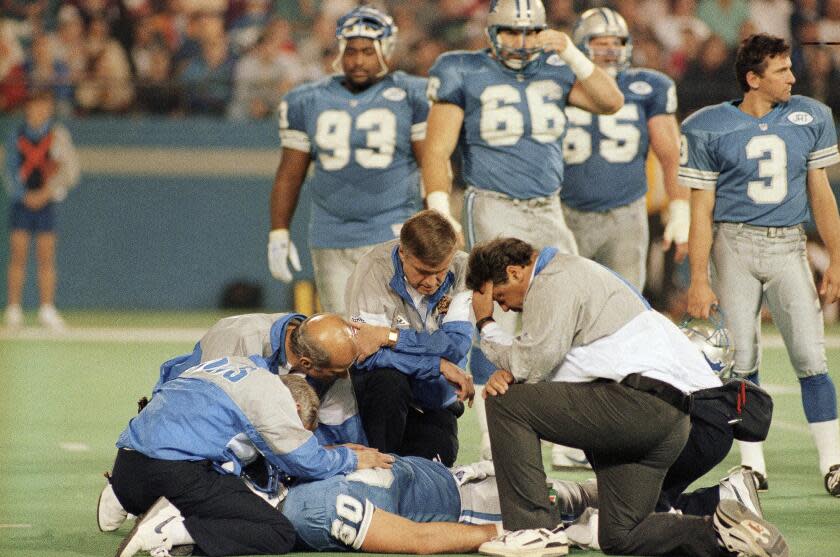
604, 22
515, 15
368, 23
712, 338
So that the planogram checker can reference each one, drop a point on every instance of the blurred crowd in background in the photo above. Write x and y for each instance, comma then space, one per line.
235, 58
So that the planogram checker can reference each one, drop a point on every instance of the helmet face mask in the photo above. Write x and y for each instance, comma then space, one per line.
712, 339
367, 23
515, 16
604, 22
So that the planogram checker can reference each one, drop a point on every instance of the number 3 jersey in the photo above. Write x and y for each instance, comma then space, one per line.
513, 120
366, 181
605, 154
758, 166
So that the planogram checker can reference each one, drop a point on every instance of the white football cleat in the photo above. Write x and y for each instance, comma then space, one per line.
540, 542
13, 317
110, 513
740, 485
49, 318
160, 528
568, 458
746, 534
583, 532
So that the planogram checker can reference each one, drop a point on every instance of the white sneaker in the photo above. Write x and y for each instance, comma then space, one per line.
484, 452
153, 533
13, 316
746, 534
740, 486
567, 458
110, 513
49, 317
475, 472
541, 542
583, 532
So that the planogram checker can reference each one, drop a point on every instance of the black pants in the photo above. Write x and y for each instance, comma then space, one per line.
708, 444
221, 514
633, 438
394, 425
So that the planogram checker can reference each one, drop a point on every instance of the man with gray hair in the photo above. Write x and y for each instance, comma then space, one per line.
412, 292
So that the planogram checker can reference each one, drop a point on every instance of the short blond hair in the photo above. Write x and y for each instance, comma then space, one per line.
305, 397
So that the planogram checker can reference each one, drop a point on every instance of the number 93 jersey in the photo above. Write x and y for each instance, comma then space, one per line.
513, 121
758, 166
335, 514
605, 154
366, 182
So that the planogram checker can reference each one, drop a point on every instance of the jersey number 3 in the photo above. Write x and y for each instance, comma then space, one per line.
772, 165
332, 136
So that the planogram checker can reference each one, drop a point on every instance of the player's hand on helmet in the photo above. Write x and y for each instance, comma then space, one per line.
281, 253
830, 284
676, 230
552, 40
459, 379
498, 383
367, 457
701, 298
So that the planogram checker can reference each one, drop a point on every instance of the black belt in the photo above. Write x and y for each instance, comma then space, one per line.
661, 390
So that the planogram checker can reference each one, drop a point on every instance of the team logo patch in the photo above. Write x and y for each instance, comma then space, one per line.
762, 127
800, 118
554, 60
394, 94
641, 87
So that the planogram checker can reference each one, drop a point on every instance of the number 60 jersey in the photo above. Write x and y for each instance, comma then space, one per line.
366, 182
758, 166
513, 120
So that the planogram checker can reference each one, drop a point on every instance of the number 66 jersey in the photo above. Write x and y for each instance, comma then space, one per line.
366, 182
758, 166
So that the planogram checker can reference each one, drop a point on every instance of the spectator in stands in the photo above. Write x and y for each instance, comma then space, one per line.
40, 166
247, 29
772, 16
829, 26
707, 80
12, 74
681, 17
261, 78
45, 71
207, 80
107, 84
69, 42
157, 93
818, 78
724, 18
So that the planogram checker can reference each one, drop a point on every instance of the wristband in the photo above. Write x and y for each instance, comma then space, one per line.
482, 322
578, 62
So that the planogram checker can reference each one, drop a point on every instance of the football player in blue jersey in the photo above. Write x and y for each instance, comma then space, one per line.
755, 165
363, 130
605, 183
504, 105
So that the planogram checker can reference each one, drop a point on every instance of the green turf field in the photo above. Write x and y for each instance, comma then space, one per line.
64, 401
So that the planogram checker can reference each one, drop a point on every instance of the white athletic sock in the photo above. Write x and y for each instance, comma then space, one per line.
827, 439
752, 455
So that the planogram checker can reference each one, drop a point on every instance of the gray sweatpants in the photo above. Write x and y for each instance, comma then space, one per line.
631, 438
617, 238
332, 268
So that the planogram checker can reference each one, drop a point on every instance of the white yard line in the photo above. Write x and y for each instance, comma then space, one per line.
105, 334
15, 526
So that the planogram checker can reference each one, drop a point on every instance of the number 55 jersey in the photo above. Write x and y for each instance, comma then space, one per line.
366, 182
758, 166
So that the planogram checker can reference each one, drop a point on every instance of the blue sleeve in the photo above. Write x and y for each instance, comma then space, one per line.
698, 169
414, 365
173, 368
12, 168
446, 81
452, 341
296, 107
828, 133
310, 460
351, 431
664, 99
419, 102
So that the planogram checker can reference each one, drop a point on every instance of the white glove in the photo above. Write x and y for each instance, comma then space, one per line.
439, 201
679, 221
281, 252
